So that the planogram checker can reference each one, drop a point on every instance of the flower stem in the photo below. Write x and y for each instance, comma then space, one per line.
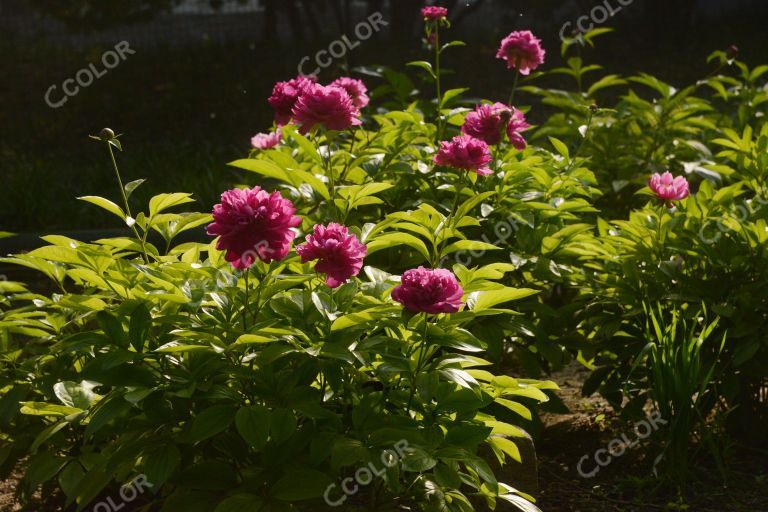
419, 361
263, 280
514, 86
449, 221
127, 206
440, 127
331, 179
245, 301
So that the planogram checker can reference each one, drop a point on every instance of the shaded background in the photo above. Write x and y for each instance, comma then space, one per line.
195, 90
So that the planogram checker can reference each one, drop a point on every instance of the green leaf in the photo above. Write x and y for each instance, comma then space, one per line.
112, 327
283, 425
423, 64
138, 329
394, 239
160, 463
240, 503
44, 409
482, 300
42, 467
210, 422
301, 485
469, 245
106, 204
515, 407
293, 177
506, 446
451, 45
105, 411
76, 395
560, 147
362, 319
46, 434
133, 185
162, 202
528, 392
308, 149
69, 478
262, 167
174, 347
450, 94
250, 339
92, 484
253, 425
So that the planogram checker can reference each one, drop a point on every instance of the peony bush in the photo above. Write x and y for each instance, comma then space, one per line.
363, 294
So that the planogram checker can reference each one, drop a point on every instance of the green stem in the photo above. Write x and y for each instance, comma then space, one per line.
419, 361
127, 206
449, 221
245, 301
331, 179
659, 233
581, 142
440, 127
263, 280
514, 86
348, 163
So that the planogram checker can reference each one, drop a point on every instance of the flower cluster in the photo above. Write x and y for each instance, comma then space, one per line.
253, 224
308, 103
284, 97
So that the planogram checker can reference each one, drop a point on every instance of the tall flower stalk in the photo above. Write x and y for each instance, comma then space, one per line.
434, 17
110, 139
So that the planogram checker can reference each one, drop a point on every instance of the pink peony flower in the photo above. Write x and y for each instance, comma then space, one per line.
339, 253
355, 88
486, 122
284, 96
329, 106
266, 140
434, 13
251, 223
465, 152
667, 187
517, 124
521, 50
431, 291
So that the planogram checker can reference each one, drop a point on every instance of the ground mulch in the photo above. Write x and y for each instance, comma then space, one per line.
627, 484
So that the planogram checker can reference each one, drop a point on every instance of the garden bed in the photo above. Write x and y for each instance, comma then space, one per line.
396, 298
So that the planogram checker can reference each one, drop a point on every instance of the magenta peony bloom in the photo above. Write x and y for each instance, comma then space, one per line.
487, 122
339, 253
465, 152
521, 50
431, 291
284, 96
667, 187
266, 140
329, 106
434, 13
517, 124
251, 223
355, 88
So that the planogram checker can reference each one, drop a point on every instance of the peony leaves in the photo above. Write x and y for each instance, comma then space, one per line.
487, 299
